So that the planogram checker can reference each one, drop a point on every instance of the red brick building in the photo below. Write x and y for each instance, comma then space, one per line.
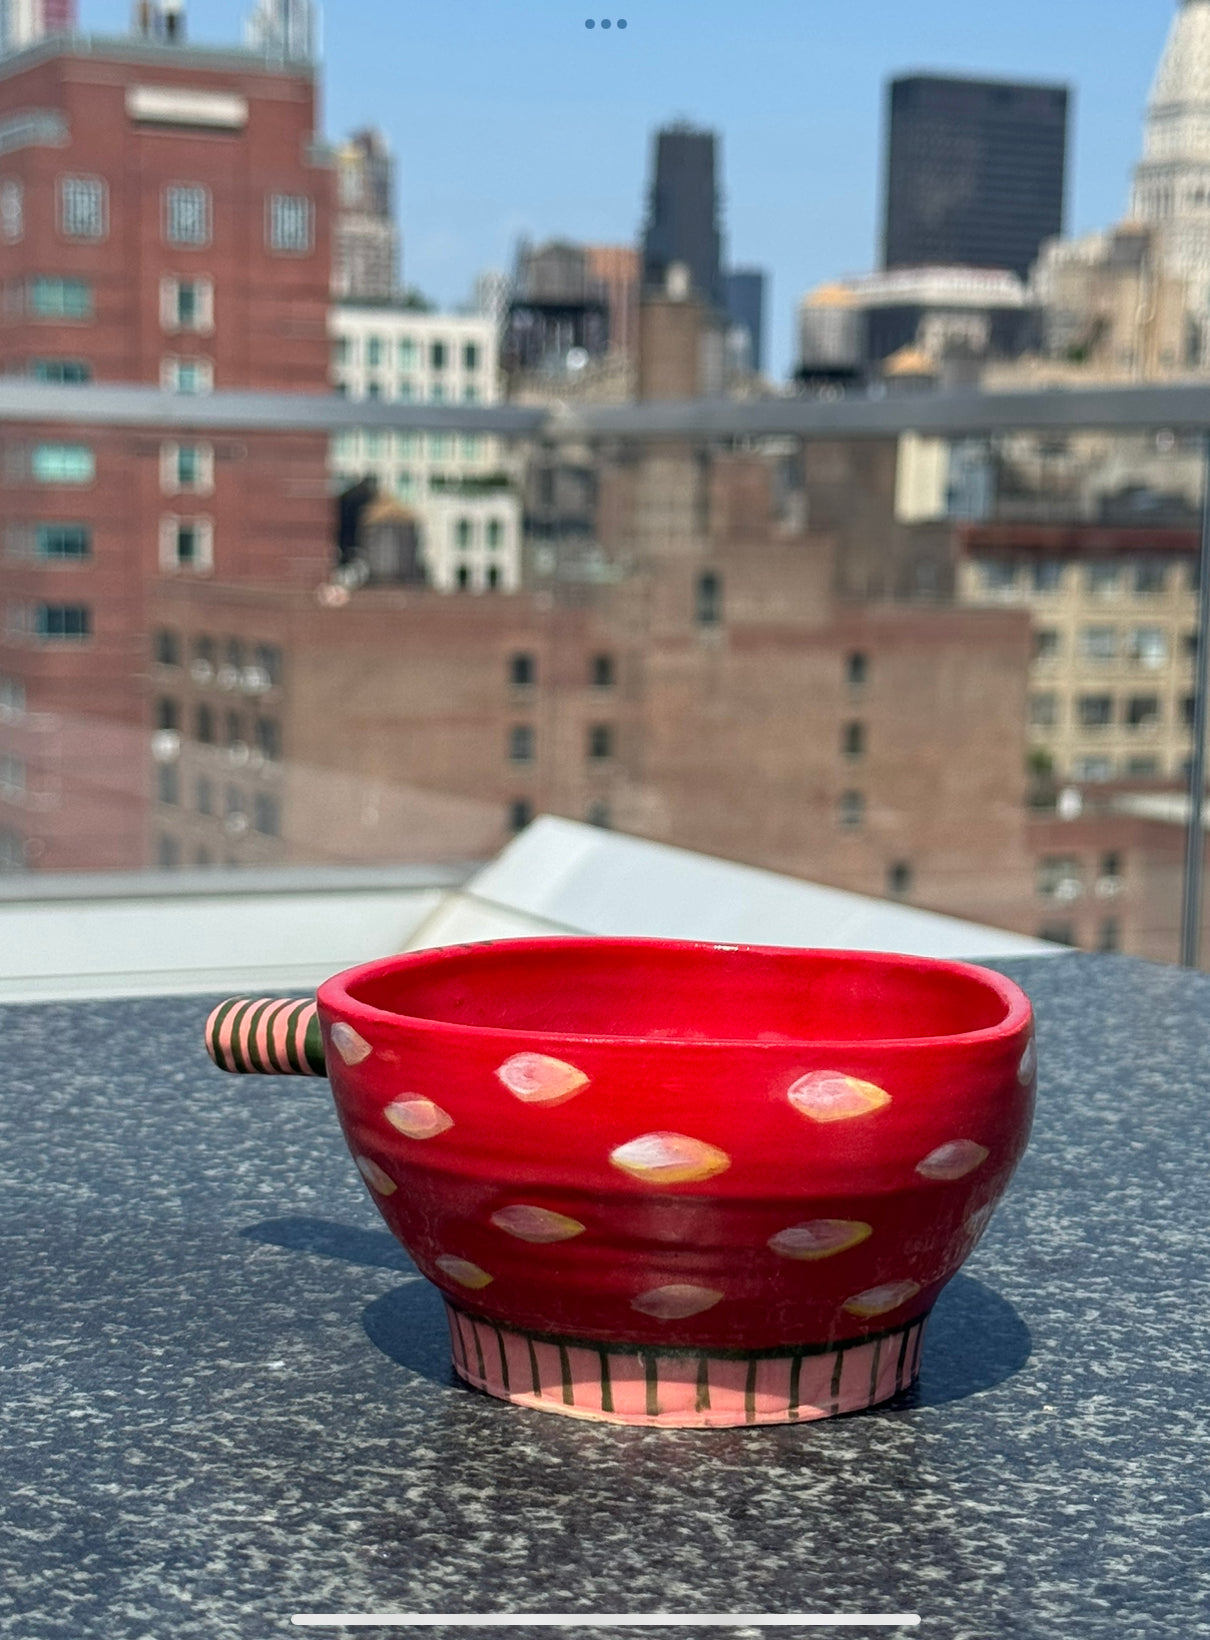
165, 218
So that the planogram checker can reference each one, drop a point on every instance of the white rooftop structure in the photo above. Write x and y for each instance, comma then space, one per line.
189, 933
1172, 182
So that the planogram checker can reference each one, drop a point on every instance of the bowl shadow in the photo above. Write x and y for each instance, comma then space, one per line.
975, 1339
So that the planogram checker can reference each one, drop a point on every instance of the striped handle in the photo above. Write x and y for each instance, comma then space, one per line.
273, 1038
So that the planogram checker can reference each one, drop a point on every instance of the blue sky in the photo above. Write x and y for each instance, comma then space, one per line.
509, 116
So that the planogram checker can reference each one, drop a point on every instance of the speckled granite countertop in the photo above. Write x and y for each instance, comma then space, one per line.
226, 1396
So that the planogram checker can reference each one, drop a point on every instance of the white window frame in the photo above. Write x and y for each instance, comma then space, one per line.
170, 560
102, 201
171, 192
12, 210
170, 482
170, 295
170, 374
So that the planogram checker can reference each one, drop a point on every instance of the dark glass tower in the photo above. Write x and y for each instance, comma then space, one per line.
682, 221
975, 172
745, 289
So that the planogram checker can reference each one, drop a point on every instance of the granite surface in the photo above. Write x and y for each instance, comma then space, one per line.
226, 1395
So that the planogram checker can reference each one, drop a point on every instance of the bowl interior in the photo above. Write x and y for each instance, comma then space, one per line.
657, 991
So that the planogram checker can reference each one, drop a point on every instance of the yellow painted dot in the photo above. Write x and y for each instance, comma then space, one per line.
833, 1096
536, 1224
669, 1158
676, 1301
882, 1300
537, 1079
375, 1177
953, 1160
463, 1271
418, 1118
820, 1238
351, 1047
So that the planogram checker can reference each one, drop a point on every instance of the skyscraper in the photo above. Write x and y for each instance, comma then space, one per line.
285, 29
366, 240
683, 218
746, 311
23, 22
975, 172
1172, 181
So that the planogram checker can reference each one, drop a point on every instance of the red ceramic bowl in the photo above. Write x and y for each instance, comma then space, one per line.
681, 1184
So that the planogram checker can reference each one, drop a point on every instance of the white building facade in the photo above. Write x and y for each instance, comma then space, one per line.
463, 493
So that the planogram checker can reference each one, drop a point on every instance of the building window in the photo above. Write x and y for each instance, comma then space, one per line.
470, 394
1142, 768
437, 356
470, 447
186, 544
441, 445
1047, 644
1110, 869
375, 349
1109, 939
168, 852
187, 375
852, 740
1044, 711
520, 813
1150, 578
204, 725
1094, 711
60, 370
12, 776
708, 601
1099, 643
1047, 575
462, 578
167, 713
600, 741
12, 851
407, 353
1103, 580
67, 621
12, 700
1093, 769
290, 229
205, 794
493, 577
521, 743
1058, 933
1060, 877
601, 672
850, 810
58, 541
599, 814
186, 467
470, 356
495, 533
269, 661
233, 730
12, 211
60, 298
899, 879
995, 576
1148, 646
266, 814
166, 647
268, 739
857, 670
186, 214
1142, 711
234, 804
1189, 711
167, 783
62, 464
522, 670
82, 208
187, 304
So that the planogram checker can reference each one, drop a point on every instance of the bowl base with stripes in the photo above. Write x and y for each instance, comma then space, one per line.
683, 1388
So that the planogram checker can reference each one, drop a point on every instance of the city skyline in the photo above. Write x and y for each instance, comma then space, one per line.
801, 151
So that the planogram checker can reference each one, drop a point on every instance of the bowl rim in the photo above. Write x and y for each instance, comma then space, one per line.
335, 995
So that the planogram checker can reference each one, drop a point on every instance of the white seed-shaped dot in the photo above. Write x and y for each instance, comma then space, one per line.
820, 1238
351, 1047
1029, 1063
375, 1176
463, 1271
953, 1160
669, 1158
418, 1118
676, 1301
537, 1079
537, 1224
882, 1300
833, 1096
